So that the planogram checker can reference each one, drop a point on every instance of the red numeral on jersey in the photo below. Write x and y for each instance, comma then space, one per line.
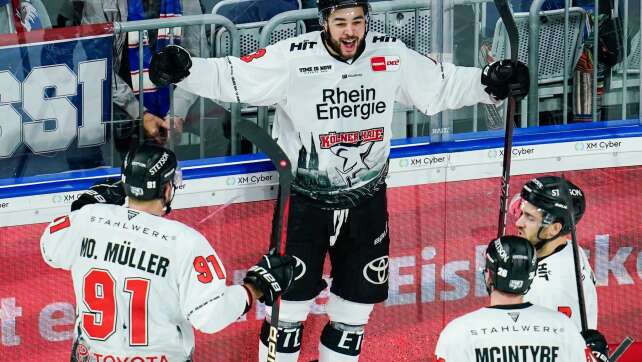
138, 288
566, 310
99, 291
203, 269
99, 295
256, 55
59, 224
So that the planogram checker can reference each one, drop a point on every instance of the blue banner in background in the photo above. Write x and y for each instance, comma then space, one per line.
55, 90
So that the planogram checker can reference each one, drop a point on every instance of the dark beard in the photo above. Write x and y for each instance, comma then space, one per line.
336, 46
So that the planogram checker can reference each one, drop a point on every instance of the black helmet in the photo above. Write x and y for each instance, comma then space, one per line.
544, 193
326, 6
511, 262
147, 169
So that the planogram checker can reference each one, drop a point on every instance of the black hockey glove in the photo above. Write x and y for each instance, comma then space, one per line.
272, 275
170, 65
505, 77
597, 343
110, 191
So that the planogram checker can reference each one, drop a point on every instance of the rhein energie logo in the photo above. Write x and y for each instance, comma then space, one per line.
338, 103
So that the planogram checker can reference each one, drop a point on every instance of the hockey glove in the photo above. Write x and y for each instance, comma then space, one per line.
109, 192
272, 275
597, 343
170, 65
504, 78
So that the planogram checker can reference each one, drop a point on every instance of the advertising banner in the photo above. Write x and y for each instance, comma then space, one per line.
438, 234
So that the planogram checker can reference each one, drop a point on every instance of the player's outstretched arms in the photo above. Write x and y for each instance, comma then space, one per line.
502, 76
108, 192
272, 275
597, 343
170, 65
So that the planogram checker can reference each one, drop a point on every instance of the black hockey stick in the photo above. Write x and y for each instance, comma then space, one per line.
570, 208
513, 38
619, 351
262, 140
626, 343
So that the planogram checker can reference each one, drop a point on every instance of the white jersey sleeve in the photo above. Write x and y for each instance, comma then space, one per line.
259, 79
433, 87
207, 302
59, 245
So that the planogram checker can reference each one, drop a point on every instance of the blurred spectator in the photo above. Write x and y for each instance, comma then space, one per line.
28, 15
125, 67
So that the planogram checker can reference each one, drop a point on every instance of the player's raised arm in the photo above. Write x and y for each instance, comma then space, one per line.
433, 87
260, 78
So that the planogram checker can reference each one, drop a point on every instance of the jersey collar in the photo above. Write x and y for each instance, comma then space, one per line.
557, 250
511, 306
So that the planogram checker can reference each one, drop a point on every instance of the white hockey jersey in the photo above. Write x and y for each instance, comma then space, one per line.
333, 118
554, 286
141, 283
511, 333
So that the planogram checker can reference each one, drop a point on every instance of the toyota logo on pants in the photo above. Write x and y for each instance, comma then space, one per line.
376, 271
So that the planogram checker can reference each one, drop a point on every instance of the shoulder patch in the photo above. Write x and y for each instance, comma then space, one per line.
256, 55
383, 39
59, 223
387, 63
302, 45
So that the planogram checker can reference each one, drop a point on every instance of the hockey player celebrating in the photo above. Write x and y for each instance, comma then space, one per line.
510, 329
543, 218
334, 92
141, 281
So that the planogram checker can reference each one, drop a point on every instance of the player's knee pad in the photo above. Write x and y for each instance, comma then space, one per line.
289, 339
343, 334
347, 312
291, 317
341, 340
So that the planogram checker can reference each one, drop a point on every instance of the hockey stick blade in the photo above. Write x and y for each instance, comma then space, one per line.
262, 140
619, 351
513, 38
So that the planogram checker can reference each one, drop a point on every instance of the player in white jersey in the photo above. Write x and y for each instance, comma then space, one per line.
142, 281
334, 93
542, 217
509, 329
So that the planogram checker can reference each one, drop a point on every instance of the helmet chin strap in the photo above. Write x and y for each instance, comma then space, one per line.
168, 203
543, 241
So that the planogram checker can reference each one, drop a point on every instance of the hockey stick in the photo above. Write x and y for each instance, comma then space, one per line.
570, 208
619, 351
513, 38
265, 143
626, 343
